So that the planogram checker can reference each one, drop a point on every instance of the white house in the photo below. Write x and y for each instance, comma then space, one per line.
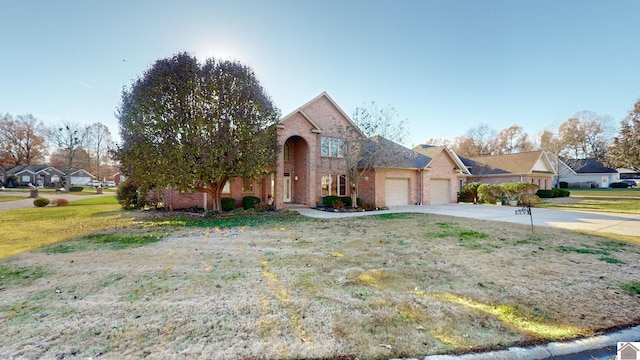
586, 173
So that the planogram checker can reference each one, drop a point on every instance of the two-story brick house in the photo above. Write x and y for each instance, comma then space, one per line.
312, 164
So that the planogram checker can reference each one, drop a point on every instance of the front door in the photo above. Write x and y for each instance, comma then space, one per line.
287, 188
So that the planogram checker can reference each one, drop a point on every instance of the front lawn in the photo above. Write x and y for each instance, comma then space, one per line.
600, 200
287, 287
31, 228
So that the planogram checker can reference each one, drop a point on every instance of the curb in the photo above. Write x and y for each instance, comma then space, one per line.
597, 347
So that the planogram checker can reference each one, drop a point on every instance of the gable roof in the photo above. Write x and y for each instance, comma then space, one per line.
587, 166
392, 155
433, 151
315, 127
519, 163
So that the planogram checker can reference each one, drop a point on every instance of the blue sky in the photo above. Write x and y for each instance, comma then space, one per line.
446, 66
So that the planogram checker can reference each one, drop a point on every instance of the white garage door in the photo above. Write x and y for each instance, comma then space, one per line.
396, 192
440, 193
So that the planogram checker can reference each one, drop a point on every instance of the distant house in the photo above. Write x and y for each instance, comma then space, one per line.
533, 166
586, 173
45, 175
37, 175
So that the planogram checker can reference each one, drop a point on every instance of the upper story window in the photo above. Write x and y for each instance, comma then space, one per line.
287, 152
332, 147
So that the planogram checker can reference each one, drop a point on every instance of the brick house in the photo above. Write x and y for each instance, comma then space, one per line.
312, 164
535, 167
37, 175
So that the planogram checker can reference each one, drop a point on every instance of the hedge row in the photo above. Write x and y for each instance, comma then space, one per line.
331, 200
552, 193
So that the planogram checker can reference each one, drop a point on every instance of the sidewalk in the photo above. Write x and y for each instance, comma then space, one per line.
27, 202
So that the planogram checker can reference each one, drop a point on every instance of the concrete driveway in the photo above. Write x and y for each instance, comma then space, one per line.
623, 224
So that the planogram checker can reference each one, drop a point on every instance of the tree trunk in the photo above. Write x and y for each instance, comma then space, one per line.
215, 190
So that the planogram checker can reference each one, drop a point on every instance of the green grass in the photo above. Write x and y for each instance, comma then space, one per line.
601, 200
604, 248
632, 288
118, 241
231, 221
81, 217
5, 198
20, 276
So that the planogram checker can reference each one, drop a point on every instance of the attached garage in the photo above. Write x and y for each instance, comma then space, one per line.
440, 191
397, 192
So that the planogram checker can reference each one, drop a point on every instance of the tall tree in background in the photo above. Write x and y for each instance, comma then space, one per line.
510, 141
482, 135
98, 143
625, 150
69, 138
585, 135
22, 140
187, 125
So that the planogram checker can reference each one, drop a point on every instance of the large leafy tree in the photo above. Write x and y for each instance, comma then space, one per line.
22, 140
625, 150
188, 125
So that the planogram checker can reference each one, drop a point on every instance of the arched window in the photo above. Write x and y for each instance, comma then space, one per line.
287, 152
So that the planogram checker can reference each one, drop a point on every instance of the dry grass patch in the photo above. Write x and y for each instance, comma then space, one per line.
368, 287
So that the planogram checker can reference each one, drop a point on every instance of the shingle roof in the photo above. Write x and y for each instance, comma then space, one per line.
520, 163
392, 155
588, 166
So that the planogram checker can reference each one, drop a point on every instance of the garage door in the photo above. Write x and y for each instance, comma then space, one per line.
396, 192
440, 193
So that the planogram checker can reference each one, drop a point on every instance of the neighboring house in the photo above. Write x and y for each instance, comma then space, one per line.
38, 175
118, 177
533, 166
586, 173
628, 174
312, 164
81, 177
45, 175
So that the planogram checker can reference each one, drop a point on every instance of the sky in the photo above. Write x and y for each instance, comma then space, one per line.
445, 66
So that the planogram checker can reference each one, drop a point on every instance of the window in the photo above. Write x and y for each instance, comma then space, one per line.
287, 152
334, 185
332, 147
226, 189
247, 185
342, 185
26, 178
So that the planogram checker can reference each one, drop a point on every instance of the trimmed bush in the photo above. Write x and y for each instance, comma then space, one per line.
76, 189
330, 200
619, 185
249, 202
551, 193
41, 202
228, 203
60, 202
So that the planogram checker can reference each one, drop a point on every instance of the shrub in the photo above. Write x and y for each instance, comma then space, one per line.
41, 202
249, 202
128, 197
490, 193
619, 185
469, 192
76, 189
60, 202
338, 205
228, 203
551, 193
330, 200
263, 206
